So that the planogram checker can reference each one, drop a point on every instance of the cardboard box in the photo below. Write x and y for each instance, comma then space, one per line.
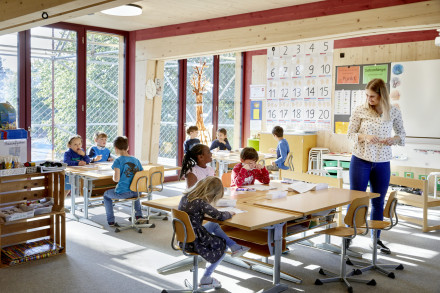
14, 147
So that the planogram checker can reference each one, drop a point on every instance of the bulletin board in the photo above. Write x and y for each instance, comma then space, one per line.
350, 90
299, 86
415, 89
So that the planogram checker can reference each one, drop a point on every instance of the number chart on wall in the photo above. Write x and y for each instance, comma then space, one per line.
350, 90
299, 86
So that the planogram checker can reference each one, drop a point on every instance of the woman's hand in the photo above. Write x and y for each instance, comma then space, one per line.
391, 140
371, 138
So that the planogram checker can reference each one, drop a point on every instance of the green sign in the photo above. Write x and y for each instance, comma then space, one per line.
375, 71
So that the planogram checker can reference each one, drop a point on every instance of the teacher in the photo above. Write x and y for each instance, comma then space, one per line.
370, 131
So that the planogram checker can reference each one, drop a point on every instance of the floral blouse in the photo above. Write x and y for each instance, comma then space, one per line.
207, 245
367, 121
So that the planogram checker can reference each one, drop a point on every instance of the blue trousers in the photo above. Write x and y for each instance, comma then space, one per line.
215, 229
378, 174
108, 203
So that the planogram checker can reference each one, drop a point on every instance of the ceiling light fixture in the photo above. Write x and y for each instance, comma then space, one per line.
124, 10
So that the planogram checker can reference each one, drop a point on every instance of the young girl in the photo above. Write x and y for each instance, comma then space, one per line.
211, 241
194, 164
75, 155
248, 170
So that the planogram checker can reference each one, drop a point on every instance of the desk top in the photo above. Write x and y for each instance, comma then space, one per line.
315, 201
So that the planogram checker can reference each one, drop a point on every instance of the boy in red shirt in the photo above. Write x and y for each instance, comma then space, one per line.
248, 170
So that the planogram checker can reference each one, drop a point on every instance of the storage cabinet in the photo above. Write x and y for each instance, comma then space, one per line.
49, 226
299, 145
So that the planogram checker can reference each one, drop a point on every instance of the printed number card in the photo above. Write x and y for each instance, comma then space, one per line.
299, 86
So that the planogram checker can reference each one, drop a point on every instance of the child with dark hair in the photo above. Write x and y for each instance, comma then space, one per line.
221, 142
282, 150
248, 170
125, 166
194, 164
193, 132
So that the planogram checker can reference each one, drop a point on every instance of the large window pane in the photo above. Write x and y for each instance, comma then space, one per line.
105, 84
226, 96
54, 72
168, 122
207, 96
9, 70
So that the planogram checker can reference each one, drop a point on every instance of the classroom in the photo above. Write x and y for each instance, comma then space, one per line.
316, 121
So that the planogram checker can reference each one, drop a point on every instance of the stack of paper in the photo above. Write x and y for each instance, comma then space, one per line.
231, 209
223, 202
302, 187
261, 187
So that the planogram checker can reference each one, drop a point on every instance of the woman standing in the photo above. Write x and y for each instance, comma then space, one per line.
370, 131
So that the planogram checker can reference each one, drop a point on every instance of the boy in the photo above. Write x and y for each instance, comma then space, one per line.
248, 170
125, 167
282, 150
193, 132
98, 152
221, 142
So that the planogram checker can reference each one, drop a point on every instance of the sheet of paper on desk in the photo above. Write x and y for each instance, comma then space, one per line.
302, 187
260, 187
223, 202
231, 209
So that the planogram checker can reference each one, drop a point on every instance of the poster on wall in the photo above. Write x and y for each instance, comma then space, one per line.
350, 90
299, 86
256, 114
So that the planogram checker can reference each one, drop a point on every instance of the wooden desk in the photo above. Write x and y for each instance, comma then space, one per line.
271, 215
90, 173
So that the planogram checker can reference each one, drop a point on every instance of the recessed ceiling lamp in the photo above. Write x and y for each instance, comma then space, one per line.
124, 10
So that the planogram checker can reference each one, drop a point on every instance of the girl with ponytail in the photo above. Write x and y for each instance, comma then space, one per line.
194, 164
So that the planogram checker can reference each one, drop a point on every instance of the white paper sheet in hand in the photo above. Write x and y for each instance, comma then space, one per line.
231, 209
302, 187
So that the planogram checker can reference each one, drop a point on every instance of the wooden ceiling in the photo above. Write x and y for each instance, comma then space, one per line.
157, 13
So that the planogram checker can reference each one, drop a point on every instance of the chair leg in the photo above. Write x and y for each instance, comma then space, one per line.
343, 276
373, 265
133, 224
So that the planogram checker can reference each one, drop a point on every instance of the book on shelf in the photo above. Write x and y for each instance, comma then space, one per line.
25, 252
302, 187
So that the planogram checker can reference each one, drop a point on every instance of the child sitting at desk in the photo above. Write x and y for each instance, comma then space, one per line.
221, 142
125, 167
193, 132
194, 164
248, 170
98, 152
282, 150
211, 241
75, 155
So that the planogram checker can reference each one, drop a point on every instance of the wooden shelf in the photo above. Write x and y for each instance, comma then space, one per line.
51, 226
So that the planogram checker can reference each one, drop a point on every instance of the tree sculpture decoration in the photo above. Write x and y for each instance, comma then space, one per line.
199, 84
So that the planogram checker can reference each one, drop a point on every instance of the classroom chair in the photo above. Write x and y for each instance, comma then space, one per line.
183, 232
140, 186
355, 218
226, 179
156, 184
289, 161
389, 212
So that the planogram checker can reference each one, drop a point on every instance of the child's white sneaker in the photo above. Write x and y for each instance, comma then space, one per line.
215, 284
239, 252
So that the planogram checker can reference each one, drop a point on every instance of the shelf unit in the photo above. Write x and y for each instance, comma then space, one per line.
341, 161
51, 226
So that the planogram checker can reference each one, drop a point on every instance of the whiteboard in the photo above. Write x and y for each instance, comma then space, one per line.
415, 88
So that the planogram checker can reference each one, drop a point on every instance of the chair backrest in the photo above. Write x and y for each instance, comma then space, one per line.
357, 212
156, 174
182, 227
140, 181
390, 207
289, 161
331, 181
226, 179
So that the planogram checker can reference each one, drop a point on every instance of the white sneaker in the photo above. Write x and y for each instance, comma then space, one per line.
239, 252
215, 284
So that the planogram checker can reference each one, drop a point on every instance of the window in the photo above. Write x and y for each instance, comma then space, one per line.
9, 70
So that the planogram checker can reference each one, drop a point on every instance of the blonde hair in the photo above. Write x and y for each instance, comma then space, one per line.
378, 86
209, 190
72, 138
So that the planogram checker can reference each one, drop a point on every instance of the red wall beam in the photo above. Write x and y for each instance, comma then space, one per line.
130, 100
310, 10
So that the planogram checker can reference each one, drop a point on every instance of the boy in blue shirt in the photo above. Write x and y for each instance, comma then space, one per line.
193, 132
282, 150
98, 152
221, 142
125, 167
